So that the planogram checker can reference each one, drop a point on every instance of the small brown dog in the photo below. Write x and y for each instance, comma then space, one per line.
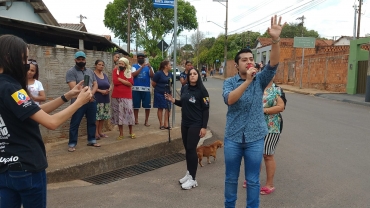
207, 151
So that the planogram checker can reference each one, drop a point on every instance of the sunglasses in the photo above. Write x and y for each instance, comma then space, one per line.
32, 61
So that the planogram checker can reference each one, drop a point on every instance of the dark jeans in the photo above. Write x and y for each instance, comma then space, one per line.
89, 110
21, 187
190, 139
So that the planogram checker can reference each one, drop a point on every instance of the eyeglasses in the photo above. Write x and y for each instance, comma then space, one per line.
32, 61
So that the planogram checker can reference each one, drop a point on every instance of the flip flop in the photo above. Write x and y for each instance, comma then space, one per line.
71, 149
162, 128
119, 137
168, 127
97, 137
245, 184
136, 123
104, 136
93, 144
146, 124
265, 190
132, 136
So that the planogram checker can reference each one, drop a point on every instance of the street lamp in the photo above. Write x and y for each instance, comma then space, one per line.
225, 49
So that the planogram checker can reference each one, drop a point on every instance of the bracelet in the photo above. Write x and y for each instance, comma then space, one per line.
64, 98
275, 41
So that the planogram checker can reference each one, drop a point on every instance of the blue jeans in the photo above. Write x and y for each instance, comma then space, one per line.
252, 153
21, 187
89, 109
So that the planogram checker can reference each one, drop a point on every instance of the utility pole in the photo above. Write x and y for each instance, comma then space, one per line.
129, 27
302, 23
225, 49
249, 40
354, 23
359, 19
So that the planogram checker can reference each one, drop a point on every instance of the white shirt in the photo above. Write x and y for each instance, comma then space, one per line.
35, 88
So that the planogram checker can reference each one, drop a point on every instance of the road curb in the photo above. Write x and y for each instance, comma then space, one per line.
115, 161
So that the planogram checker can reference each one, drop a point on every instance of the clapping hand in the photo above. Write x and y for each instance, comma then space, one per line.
275, 30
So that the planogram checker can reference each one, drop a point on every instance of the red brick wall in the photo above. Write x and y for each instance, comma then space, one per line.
325, 71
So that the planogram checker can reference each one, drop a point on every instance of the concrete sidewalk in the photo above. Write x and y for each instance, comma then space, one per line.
150, 142
358, 99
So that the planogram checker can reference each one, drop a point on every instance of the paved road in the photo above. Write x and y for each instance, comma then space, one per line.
322, 161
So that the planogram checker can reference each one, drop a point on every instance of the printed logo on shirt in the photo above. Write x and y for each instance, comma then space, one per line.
206, 100
20, 97
4, 133
192, 99
9, 159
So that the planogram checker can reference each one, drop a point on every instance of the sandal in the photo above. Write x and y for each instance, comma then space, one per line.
103, 136
93, 144
71, 149
132, 136
119, 137
146, 124
97, 137
245, 184
168, 127
265, 190
136, 123
162, 128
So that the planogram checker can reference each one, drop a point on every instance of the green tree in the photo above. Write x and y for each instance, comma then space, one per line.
148, 24
292, 30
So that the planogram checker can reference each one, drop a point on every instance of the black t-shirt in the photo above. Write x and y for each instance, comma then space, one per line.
20, 137
193, 102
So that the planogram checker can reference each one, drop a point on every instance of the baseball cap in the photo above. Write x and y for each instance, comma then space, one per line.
140, 55
80, 54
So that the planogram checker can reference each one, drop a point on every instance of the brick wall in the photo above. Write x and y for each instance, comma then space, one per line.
325, 71
53, 65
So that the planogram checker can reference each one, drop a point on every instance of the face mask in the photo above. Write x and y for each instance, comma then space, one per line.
121, 68
140, 61
81, 64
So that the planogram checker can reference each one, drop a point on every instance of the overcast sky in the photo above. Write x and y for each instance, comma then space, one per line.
328, 17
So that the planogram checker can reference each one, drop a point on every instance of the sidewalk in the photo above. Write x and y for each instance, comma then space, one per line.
150, 143
342, 97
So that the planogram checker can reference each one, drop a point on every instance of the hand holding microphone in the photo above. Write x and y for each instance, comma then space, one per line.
251, 72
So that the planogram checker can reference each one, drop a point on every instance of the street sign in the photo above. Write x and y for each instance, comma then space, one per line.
166, 4
162, 45
304, 42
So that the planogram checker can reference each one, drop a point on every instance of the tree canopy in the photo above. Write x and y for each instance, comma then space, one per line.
148, 24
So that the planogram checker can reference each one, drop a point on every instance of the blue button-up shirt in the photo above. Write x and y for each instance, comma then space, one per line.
245, 121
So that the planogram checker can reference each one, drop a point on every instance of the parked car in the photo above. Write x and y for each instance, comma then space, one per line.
177, 74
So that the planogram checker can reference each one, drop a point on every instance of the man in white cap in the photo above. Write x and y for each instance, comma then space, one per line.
73, 77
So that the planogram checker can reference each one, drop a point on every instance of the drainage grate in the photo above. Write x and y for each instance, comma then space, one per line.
134, 170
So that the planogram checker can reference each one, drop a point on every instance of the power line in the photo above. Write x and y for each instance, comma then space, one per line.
251, 10
258, 22
309, 7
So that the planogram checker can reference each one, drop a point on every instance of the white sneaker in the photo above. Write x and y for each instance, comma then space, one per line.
190, 183
185, 178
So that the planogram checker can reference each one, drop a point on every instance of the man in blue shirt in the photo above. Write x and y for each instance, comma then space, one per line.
142, 72
245, 125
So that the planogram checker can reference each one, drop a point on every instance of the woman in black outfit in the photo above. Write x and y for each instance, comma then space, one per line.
22, 153
195, 113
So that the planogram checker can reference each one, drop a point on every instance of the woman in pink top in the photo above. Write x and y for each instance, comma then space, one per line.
121, 103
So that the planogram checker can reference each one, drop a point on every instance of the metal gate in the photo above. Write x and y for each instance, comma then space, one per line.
291, 71
361, 77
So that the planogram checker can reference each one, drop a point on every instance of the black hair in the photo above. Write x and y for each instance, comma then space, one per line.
34, 62
244, 50
188, 62
163, 64
98, 61
13, 57
199, 82
115, 53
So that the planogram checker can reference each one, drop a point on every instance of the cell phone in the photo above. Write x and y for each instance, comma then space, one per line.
146, 60
17, 166
86, 80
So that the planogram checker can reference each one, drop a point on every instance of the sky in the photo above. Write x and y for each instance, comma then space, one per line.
330, 18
